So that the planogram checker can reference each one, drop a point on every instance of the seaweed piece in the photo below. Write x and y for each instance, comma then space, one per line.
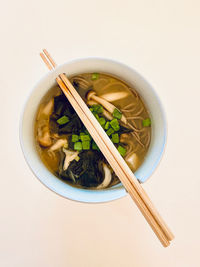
74, 126
62, 107
86, 171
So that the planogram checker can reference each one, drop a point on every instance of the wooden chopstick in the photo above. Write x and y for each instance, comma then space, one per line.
119, 159
64, 77
132, 186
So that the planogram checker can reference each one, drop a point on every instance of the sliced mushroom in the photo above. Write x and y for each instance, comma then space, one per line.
114, 96
107, 105
114, 90
58, 144
43, 132
133, 161
107, 177
69, 156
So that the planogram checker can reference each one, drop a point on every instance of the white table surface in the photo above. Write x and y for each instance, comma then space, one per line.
161, 40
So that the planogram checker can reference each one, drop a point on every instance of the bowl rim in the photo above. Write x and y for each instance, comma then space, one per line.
104, 194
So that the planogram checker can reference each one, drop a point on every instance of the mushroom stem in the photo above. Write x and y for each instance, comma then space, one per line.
107, 177
107, 115
69, 156
58, 144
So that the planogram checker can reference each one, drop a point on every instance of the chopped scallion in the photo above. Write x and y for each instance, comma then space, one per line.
115, 138
97, 109
117, 114
146, 122
75, 138
62, 120
121, 150
102, 121
95, 76
107, 125
115, 125
96, 116
85, 137
110, 131
86, 145
78, 146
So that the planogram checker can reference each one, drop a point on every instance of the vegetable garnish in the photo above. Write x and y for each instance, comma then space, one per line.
63, 120
115, 125
96, 116
85, 137
95, 76
115, 138
146, 122
121, 150
86, 145
75, 138
110, 131
78, 146
107, 125
102, 121
117, 114
97, 109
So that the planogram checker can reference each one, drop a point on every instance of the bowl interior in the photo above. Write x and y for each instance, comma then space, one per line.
92, 65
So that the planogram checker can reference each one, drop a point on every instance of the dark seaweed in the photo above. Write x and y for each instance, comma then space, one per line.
86, 171
63, 107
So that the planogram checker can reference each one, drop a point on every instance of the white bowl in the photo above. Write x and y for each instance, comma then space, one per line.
86, 65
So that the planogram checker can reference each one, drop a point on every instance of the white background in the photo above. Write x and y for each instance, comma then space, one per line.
161, 40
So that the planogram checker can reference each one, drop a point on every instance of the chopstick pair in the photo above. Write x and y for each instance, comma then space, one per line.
112, 155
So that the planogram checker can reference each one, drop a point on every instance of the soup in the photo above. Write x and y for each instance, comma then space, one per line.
65, 145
